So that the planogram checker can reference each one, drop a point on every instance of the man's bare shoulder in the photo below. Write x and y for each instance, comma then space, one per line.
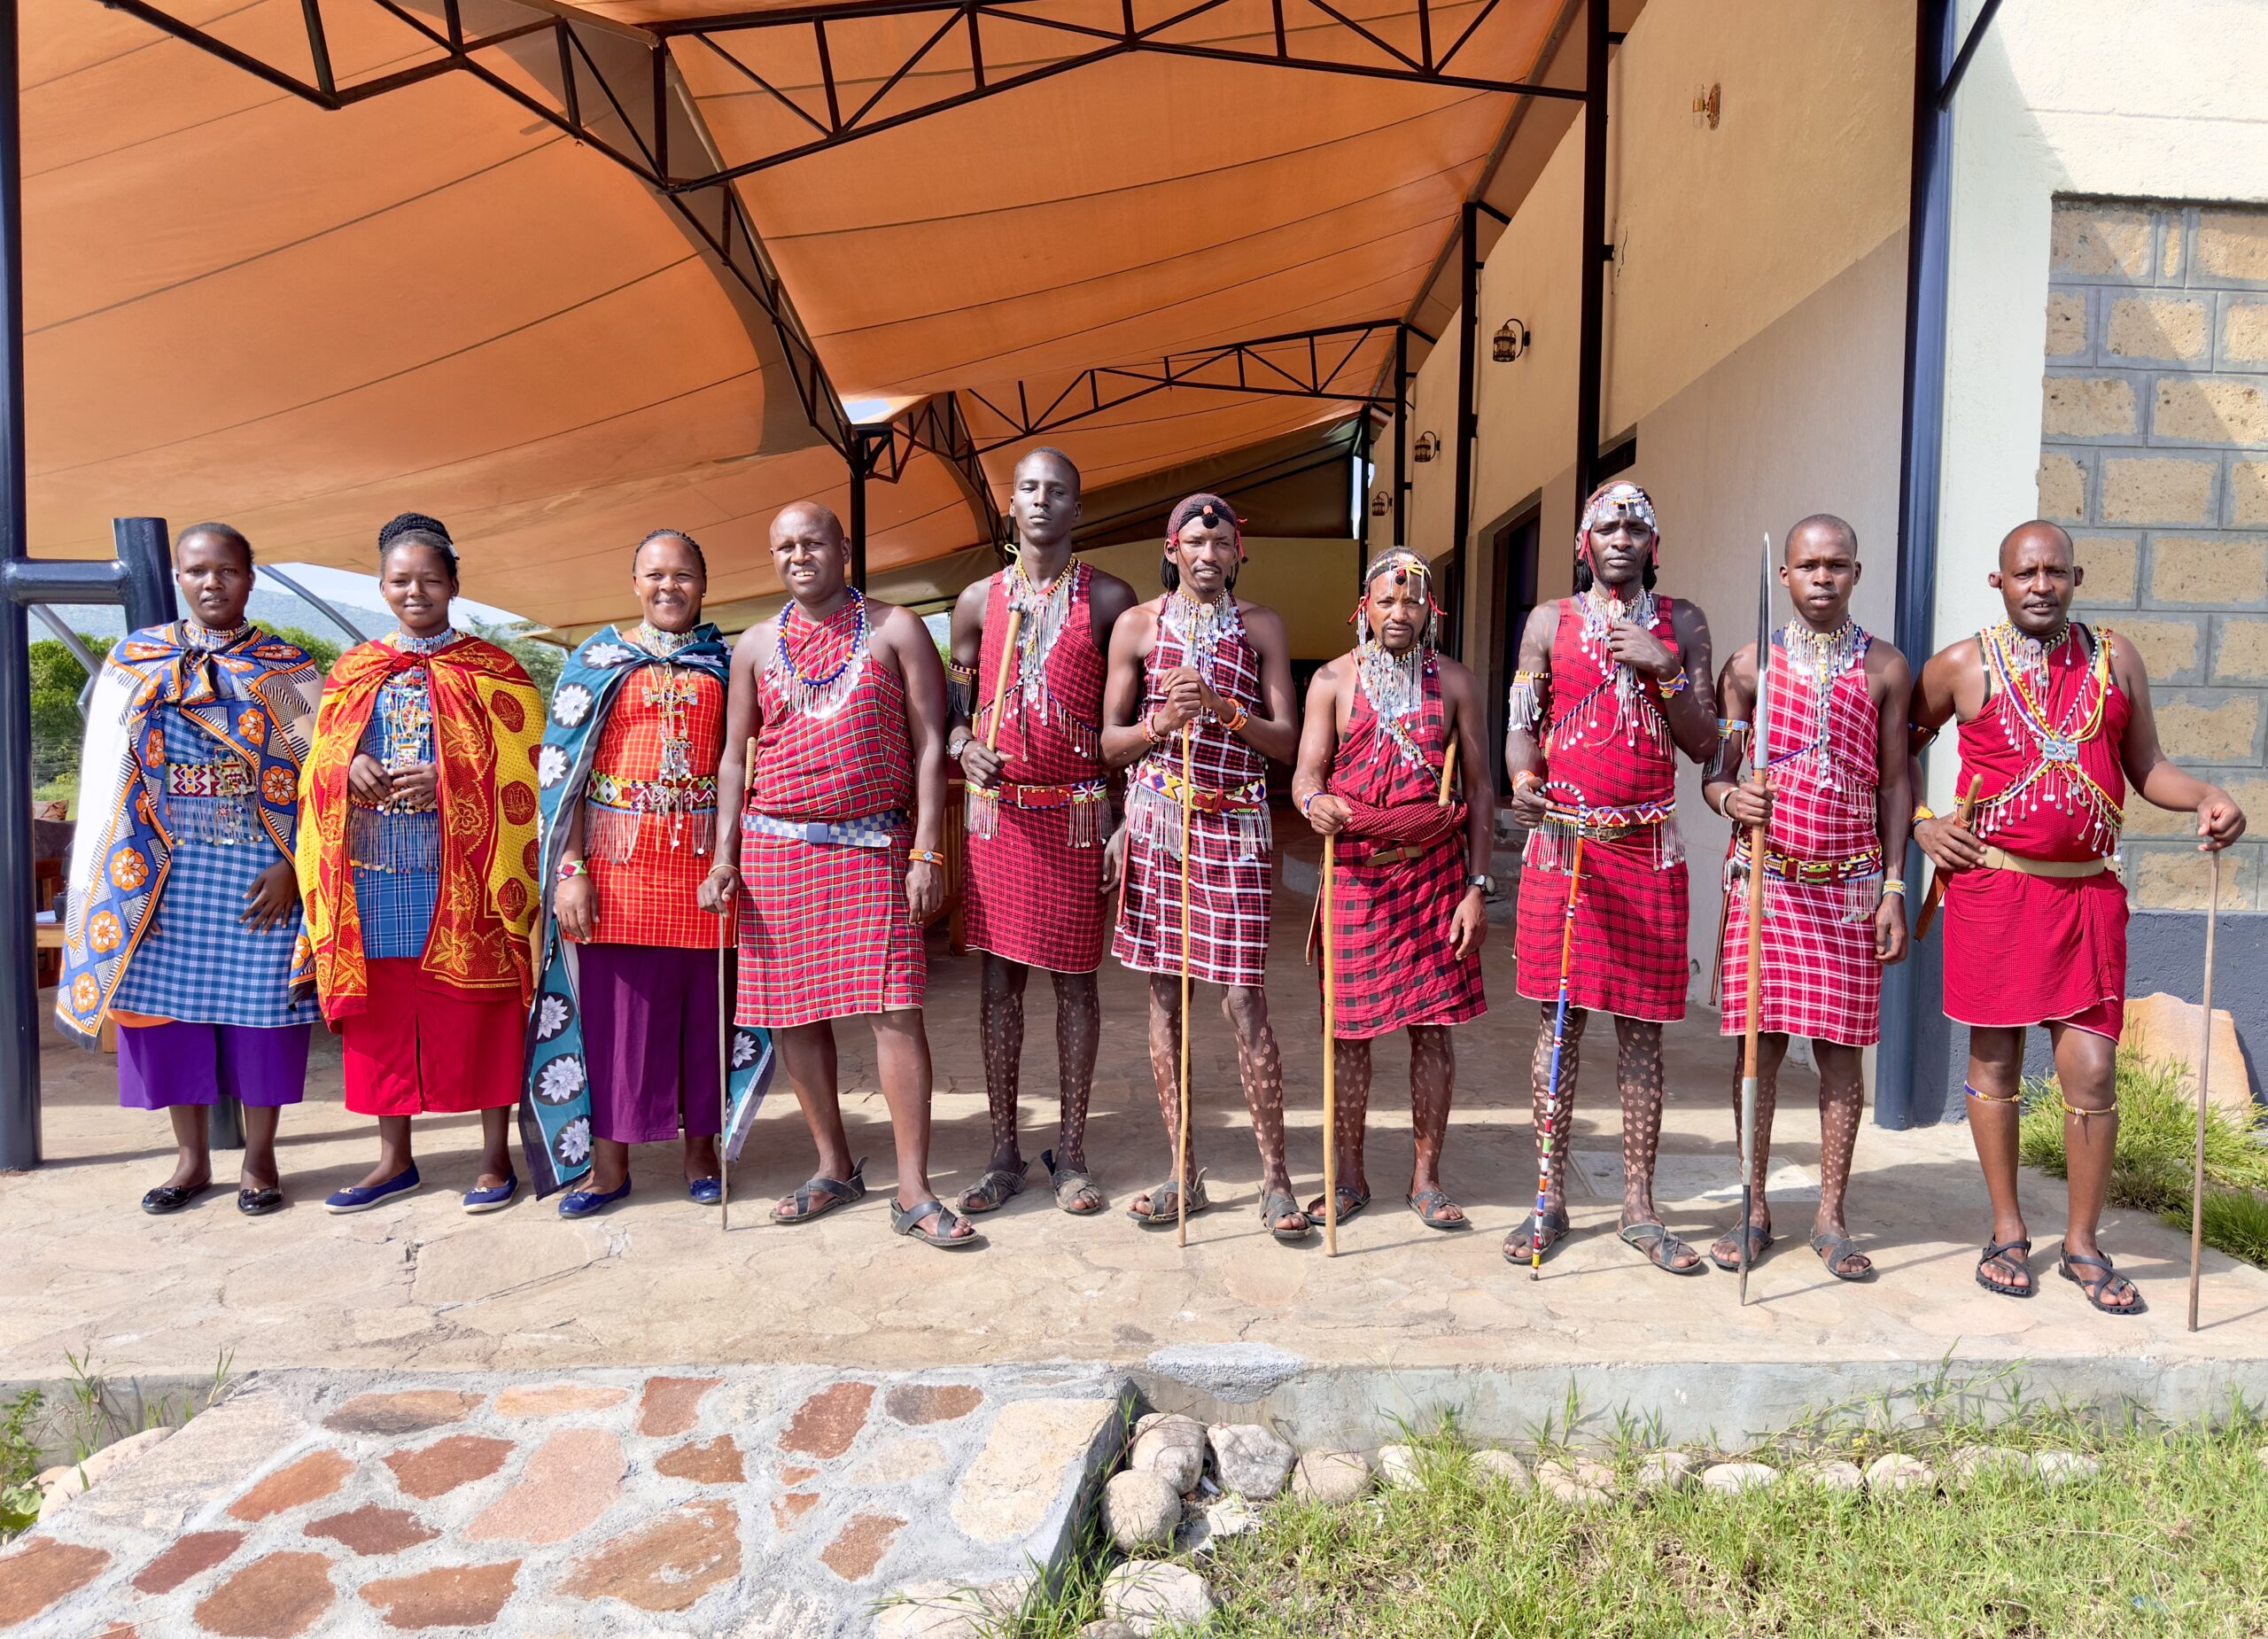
755, 644
1963, 656
1107, 593
1263, 623
1454, 674
1886, 662
973, 599
1335, 671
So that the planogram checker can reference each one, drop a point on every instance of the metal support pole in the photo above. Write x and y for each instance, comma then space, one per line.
1591, 341
19, 958
1910, 1078
1402, 436
1363, 498
1468, 351
860, 461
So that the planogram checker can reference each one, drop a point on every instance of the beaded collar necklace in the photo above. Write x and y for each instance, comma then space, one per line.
821, 693
196, 636
656, 641
433, 645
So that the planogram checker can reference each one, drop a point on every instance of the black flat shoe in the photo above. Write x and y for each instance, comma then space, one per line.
259, 1203
170, 1198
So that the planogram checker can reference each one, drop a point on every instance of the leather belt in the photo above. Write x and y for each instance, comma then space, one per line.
1399, 854
2002, 859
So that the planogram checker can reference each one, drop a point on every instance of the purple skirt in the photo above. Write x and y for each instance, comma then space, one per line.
162, 1065
650, 1026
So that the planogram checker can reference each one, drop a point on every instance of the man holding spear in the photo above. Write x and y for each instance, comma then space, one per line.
1034, 639
1613, 683
1405, 913
1834, 803
2055, 723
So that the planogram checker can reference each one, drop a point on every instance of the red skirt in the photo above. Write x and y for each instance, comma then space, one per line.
1629, 955
2036, 949
420, 1050
1821, 975
1030, 895
1230, 897
825, 932
1391, 956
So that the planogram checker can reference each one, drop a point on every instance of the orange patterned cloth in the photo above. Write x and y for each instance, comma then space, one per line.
488, 721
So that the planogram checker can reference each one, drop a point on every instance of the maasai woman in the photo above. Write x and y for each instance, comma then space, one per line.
417, 860
182, 924
628, 777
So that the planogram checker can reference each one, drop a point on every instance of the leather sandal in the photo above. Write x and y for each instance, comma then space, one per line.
908, 1220
1351, 1202
1161, 1202
993, 1190
1518, 1247
1996, 1252
1833, 1249
1273, 1207
1072, 1184
1428, 1204
1759, 1242
1660, 1247
2109, 1281
820, 1196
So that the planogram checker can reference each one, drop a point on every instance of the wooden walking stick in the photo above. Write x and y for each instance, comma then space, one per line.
1181, 1133
1448, 773
1000, 679
2204, 1079
1329, 1056
1760, 761
729, 920
1963, 813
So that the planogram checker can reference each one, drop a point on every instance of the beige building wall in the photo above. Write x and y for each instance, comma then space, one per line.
2097, 99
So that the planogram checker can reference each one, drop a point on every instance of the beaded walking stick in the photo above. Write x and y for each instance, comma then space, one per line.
1559, 1044
2204, 1079
1180, 1134
1330, 1057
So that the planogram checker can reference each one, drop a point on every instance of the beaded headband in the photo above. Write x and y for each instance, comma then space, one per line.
1616, 499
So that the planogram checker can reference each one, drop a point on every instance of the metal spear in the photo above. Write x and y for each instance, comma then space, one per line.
1760, 753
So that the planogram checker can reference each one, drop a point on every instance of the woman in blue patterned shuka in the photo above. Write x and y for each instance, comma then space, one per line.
181, 922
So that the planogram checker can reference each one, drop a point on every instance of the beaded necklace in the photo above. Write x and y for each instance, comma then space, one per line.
1634, 712
195, 636
1396, 686
657, 643
1201, 628
2016, 663
1044, 610
1821, 658
822, 694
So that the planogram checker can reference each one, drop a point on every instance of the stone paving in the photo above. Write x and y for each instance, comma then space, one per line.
788, 1503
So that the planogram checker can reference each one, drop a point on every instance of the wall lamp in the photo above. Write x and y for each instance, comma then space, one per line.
1429, 446
1379, 508
1510, 341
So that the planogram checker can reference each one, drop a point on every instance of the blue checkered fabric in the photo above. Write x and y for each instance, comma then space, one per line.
396, 907
196, 964
866, 831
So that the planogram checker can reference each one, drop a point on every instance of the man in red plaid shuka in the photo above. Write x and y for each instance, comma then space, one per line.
1834, 808
1038, 807
1409, 873
1618, 680
844, 700
1201, 665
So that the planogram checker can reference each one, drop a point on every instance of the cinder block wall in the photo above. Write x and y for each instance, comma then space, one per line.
2153, 434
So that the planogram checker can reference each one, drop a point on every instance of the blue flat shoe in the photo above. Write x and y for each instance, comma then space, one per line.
494, 1197
704, 1192
584, 1203
362, 1197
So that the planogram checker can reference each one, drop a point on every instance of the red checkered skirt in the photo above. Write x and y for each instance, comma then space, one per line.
1629, 953
1820, 976
1030, 897
1391, 958
825, 931
1228, 902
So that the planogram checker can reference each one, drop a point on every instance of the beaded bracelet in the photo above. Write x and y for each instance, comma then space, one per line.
924, 855
570, 869
1150, 727
1669, 689
1242, 717
1731, 726
1893, 885
1922, 811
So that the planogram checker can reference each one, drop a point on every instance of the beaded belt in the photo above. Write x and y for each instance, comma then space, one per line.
2001, 860
1009, 795
1237, 799
1607, 825
221, 780
1780, 865
866, 831
652, 795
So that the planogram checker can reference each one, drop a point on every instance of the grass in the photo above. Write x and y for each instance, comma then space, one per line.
2158, 1137
93, 1410
2166, 1540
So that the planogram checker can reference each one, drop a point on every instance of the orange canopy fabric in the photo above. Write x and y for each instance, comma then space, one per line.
239, 304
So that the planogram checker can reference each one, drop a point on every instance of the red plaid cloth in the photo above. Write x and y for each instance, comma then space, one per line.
1820, 976
1390, 923
1229, 897
2069, 934
649, 898
1031, 896
824, 929
1629, 955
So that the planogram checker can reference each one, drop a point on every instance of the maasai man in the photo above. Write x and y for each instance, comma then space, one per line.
1618, 680
1037, 814
846, 700
2056, 721
181, 919
628, 780
1200, 660
417, 859
1407, 909
1835, 809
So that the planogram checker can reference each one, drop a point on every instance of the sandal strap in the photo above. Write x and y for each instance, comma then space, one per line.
1994, 1248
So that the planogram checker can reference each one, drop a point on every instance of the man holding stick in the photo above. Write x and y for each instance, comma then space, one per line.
2055, 723
1406, 905
1200, 662
1835, 807
1034, 639
1612, 684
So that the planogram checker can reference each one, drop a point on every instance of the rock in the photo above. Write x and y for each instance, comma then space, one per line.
2164, 1026
1106, 1629
1398, 1468
113, 1457
860, 1546
39, 1573
919, 1403
567, 1484
558, 1399
452, 1461
1971, 1464
1665, 1471
189, 1556
452, 1595
314, 1477
1150, 1597
1330, 1477
826, 1424
1140, 1511
1038, 1450
1733, 1478
945, 1610
1171, 1447
1896, 1472
1503, 1468
2062, 1468
1831, 1475
672, 1405
1578, 1482
663, 1565
1250, 1460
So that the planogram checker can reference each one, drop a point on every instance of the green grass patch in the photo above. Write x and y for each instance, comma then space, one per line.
2157, 1138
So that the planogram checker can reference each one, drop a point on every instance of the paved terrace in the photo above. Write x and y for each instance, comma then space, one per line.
655, 1282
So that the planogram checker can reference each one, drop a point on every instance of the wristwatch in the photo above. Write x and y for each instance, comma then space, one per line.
1485, 883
